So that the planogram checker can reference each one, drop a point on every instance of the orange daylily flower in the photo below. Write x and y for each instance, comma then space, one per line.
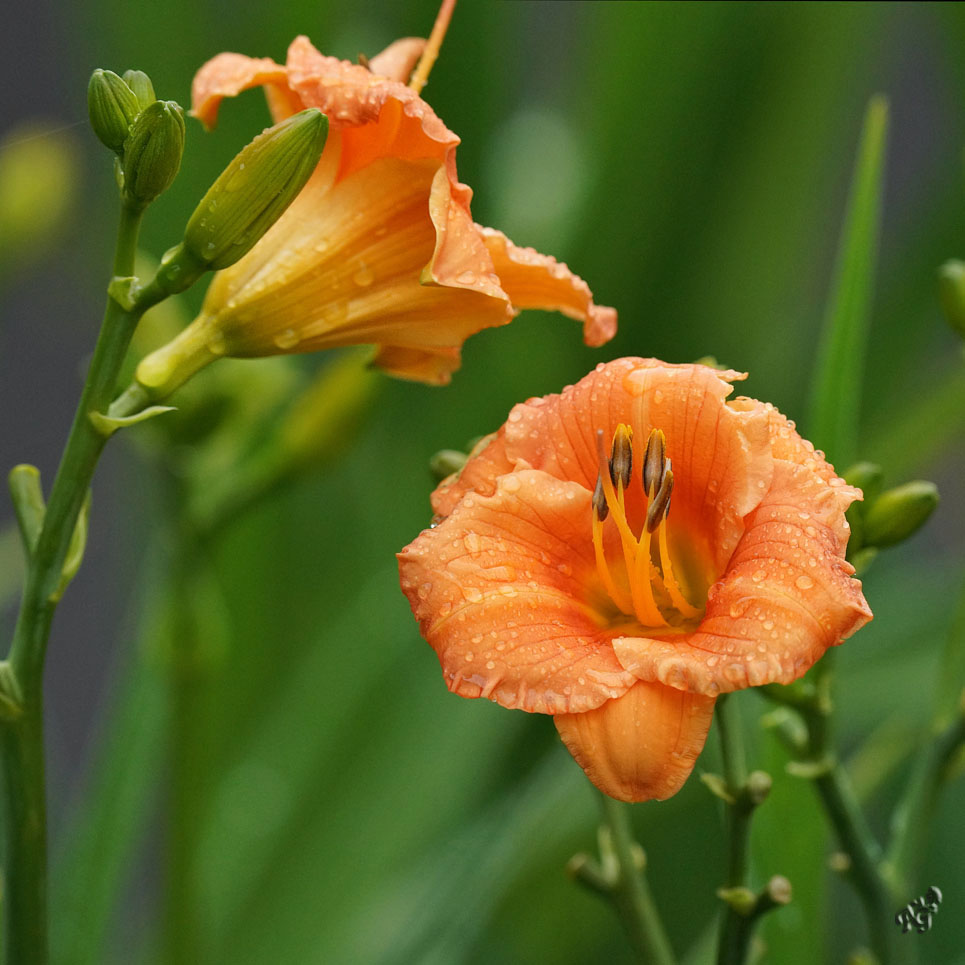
622, 553
379, 247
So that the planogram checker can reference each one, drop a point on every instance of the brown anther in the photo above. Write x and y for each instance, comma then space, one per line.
660, 503
654, 462
364, 62
621, 455
600, 506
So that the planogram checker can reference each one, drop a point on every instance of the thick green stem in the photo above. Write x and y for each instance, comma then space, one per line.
26, 847
631, 894
25, 891
735, 928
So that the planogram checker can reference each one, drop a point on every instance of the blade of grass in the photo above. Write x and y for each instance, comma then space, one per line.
836, 386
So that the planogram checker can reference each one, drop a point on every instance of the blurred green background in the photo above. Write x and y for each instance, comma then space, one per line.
691, 161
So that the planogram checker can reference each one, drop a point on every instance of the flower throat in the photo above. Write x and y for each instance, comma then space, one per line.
652, 593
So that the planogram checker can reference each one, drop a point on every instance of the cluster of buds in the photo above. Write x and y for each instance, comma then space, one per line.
249, 196
886, 517
145, 133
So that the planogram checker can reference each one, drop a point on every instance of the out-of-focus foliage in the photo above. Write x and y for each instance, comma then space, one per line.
691, 161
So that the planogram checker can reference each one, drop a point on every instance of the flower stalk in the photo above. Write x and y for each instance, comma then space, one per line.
627, 887
742, 792
22, 737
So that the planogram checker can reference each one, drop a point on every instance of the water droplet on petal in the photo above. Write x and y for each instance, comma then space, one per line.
287, 339
804, 582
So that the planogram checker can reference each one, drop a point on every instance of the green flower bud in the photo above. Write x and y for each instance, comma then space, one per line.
898, 513
113, 108
951, 281
446, 462
867, 476
152, 152
141, 84
254, 190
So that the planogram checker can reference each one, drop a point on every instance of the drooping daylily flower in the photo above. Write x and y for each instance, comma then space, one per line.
380, 246
622, 553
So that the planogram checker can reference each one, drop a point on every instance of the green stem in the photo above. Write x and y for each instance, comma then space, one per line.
735, 928
867, 865
630, 892
22, 743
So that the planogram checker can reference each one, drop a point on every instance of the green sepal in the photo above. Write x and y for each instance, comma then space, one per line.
808, 769
740, 898
75, 550
718, 787
141, 85
124, 291
28, 503
11, 699
107, 425
113, 107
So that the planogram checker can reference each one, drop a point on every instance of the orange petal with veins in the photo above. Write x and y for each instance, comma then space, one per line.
499, 591
641, 746
533, 280
227, 75
786, 596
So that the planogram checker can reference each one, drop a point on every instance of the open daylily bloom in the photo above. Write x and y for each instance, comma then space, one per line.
622, 553
379, 248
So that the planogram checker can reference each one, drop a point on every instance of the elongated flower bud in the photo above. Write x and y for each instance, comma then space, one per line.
951, 280
254, 189
900, 512
152, 152
113, 107
142, 87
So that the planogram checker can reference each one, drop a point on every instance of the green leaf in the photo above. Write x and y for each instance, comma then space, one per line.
836, 389
28, 503
107, 425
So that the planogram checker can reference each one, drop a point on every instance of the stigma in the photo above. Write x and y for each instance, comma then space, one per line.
641, 580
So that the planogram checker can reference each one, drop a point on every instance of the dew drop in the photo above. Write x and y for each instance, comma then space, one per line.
287, 339
758, 575
473, 544
804, 582
466, 277
472, 594
364, 276
511, 484
490, 665
217, 344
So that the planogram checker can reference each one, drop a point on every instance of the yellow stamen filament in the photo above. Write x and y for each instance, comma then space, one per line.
619, 597
645, 579
669, 581
421, 73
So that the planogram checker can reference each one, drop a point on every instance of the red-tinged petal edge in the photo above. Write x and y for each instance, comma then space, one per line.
641, 746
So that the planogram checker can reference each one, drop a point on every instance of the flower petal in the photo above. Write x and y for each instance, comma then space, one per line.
351, 279
641, 746
229, 74
721, 454
379, 117
499, 588
398, 60
786, 597
533, 280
